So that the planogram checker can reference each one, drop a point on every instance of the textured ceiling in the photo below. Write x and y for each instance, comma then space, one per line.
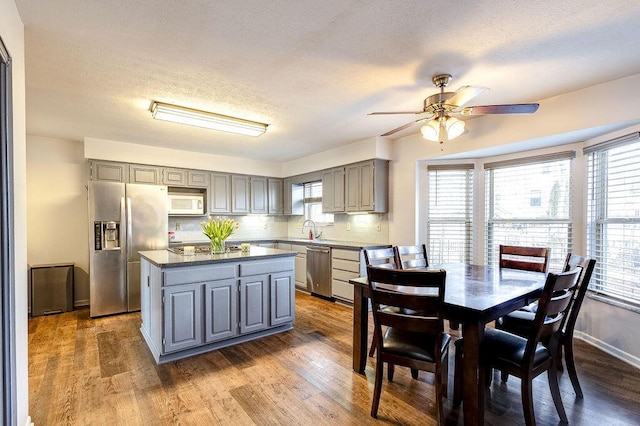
311, 69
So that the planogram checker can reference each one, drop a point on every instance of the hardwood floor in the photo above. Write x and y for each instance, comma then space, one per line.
98, 371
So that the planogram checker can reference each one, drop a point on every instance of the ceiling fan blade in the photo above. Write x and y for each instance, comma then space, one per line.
406, 126
396, 112
464, 95
500, 109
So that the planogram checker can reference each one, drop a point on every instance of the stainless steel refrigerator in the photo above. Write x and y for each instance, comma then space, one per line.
124, 219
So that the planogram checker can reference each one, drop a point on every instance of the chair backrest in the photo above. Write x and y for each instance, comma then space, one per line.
553, 306
412, 257
428, 316
587, 266
382, 257
525, 258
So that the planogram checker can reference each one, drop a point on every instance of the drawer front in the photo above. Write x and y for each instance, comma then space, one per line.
346, 265
257, 268
344, 275
346, 254
199, 274
342, 290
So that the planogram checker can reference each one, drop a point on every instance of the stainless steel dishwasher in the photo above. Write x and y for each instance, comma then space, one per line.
319, 271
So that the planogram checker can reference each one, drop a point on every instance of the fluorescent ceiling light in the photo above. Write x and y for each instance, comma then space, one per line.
209, 120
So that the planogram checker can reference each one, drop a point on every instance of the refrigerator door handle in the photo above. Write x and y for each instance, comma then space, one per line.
129, 227
123, 224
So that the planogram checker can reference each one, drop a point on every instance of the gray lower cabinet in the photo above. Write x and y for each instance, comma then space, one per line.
188, 310
253, 303
220, 310
283, 299
182, 313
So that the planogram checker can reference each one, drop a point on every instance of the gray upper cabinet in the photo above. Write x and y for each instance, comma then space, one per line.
239, 194
367, 186
198, 179
185, 177
287, 199
259, 195
174, 177
140, 173
333, 190
220, 193
276, 202
109, 171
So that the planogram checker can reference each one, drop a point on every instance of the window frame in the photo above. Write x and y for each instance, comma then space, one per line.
490, 222
598, 174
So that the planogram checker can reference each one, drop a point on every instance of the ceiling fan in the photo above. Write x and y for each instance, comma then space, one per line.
442, 107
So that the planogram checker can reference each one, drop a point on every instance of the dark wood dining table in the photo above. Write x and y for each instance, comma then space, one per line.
475, 295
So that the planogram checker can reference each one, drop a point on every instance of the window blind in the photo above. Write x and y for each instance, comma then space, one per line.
613, 224
450, 213
529, 203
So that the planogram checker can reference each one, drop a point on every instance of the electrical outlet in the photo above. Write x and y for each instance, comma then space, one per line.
265, 226
299, 226
348, 226
178, 226
378, 227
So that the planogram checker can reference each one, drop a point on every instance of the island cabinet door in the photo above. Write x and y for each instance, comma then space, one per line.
282, 299
220, 310
182, 317
253, 303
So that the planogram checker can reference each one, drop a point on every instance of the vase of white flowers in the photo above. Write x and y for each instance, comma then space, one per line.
218, 230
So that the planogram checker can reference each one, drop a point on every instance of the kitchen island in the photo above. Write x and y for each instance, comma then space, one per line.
195, 304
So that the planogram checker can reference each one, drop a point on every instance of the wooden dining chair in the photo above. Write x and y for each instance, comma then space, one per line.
411, 257
520, 321
415, 341
526, 357
382, 258
524, 258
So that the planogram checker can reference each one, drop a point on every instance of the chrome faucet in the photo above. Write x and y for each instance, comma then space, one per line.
315, 230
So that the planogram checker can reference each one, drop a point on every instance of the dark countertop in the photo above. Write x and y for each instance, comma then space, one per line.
347, 245
167, 259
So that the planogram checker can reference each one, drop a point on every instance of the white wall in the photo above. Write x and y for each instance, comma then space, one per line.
57, 208
12, 33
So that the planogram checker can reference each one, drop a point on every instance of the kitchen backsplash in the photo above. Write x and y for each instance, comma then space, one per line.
367, 228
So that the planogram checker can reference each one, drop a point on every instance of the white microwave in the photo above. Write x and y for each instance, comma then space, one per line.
186, 204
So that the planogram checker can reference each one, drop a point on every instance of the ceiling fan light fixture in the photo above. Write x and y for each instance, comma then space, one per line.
454, 127
431, 130
208, 120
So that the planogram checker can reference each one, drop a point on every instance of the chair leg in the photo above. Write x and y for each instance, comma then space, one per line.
374, 345
414, 373
552, 373
457, 378
527, 400
445, 374
390, 370
439, 405
504, 376
571, 368
559, 359
488, 376
377, 389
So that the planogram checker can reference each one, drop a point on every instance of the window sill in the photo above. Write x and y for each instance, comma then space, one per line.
614, 302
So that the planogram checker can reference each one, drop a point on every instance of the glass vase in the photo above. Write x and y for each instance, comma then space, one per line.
217, 246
